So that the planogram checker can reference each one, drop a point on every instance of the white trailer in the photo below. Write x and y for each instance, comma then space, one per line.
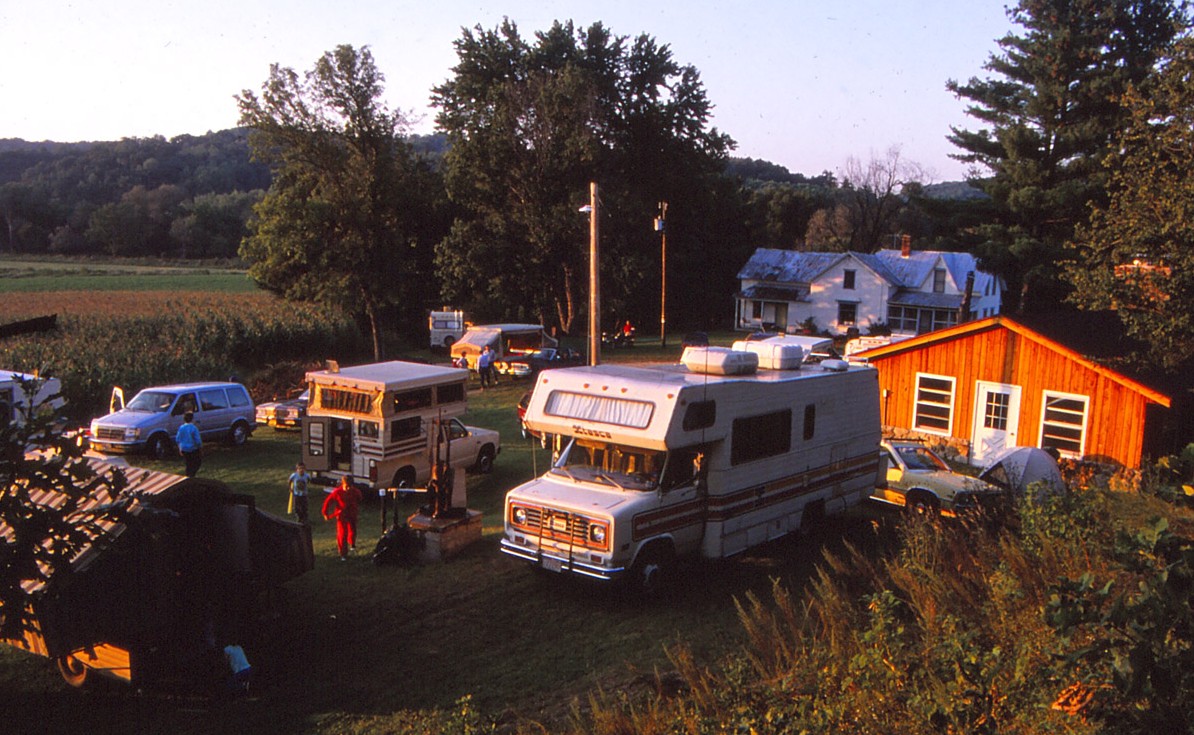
22, 392
660, 461
446, 326
375, 422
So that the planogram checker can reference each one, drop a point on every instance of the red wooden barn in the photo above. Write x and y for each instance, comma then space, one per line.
988, 384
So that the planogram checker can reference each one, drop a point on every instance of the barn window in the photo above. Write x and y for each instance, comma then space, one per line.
1063, 423
934, 403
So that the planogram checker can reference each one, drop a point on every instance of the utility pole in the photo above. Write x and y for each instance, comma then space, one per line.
661, 228
594, 277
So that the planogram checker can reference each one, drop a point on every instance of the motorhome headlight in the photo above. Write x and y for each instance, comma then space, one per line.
597, 533
519, 514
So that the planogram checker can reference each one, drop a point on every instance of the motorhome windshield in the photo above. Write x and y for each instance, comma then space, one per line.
152, 401
617, 465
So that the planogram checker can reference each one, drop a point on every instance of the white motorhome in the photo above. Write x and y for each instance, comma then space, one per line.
15, 400
446, 327
377, 423
706, 458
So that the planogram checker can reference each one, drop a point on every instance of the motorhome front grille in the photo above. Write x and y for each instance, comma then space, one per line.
109, 433
557, 525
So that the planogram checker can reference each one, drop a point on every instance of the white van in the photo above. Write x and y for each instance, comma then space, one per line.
707, 458
446, 327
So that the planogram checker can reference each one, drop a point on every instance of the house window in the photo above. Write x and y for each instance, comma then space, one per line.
934, 403
756, 310
847, 313
848, 280
1063, 423
938, 280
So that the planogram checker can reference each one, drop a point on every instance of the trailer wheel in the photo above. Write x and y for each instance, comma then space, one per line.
74, 671
653, 570
922, 504
158, 446
449, 341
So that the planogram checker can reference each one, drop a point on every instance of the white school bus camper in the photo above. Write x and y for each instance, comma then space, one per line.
377, 423
707, 458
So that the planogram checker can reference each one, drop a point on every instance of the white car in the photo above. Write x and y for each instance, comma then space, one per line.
921, 482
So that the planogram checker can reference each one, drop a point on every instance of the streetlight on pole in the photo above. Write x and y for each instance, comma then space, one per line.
661, 228
594, 277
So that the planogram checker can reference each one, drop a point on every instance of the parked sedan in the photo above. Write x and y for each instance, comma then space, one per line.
921, 482
287, 414
530, 363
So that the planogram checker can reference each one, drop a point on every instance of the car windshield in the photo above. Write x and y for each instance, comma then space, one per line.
152, 401
921, 458
616, 465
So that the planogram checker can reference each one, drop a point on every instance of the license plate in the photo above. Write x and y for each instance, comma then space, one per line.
553, 565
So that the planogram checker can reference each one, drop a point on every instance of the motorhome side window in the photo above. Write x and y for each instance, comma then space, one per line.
453, 393
347, 401
759, 437
810, 421
700, 415
367, 429
405, 428
411, 399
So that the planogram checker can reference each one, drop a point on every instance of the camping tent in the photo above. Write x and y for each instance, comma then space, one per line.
1017, 468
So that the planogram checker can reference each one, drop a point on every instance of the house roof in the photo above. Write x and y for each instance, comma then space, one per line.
794, 266
904, 297
1004, 322
787, 266
774, 293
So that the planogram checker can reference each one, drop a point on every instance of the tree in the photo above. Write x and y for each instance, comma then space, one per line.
1134, 254
530, 125
872, 195
53, 503
345, 217
1053, 112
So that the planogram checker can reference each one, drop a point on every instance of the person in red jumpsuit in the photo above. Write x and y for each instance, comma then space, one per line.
344, 504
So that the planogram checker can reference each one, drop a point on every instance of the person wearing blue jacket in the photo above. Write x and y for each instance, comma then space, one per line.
190, 444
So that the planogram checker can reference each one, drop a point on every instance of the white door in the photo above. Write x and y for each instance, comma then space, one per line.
996, 418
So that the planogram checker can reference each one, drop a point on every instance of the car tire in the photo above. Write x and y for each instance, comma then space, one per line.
922, 504
158, 446
485, 460
653, 571
238, 434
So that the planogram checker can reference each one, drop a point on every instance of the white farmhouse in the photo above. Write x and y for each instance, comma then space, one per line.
912, 292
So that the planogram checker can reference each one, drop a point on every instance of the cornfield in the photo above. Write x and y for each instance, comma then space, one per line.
139, 339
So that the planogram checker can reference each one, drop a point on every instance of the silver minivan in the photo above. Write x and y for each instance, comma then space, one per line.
222, 412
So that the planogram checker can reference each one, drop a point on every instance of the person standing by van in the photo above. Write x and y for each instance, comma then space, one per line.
190, 444
344, 504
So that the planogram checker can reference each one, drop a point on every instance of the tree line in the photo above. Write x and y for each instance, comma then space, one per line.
327, 196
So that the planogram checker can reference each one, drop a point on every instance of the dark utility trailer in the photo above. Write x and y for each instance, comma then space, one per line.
154, 599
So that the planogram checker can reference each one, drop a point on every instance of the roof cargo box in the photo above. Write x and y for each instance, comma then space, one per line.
719, 361
773, 355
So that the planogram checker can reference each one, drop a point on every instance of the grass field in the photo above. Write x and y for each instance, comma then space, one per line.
367, 649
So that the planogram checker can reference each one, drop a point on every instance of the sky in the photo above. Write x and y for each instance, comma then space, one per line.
807, 85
